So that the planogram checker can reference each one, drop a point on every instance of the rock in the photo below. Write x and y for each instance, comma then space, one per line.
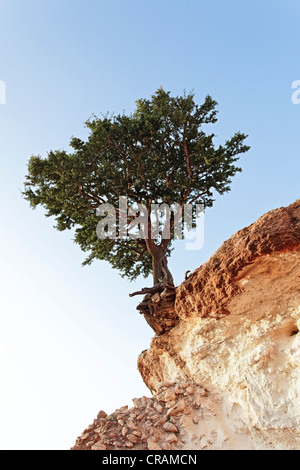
166, 446
170, 427
197, 418
117, 444
161, 421
152, 444
84, 437
155, 433
186, 421
184, 385
158, 407
179, 407
121, 410
132, 438
172, 438
168, 395
239, 336
98, 446
140, 402
171, 403
130, 423
163, 386
178, 390
226, 376
155, 417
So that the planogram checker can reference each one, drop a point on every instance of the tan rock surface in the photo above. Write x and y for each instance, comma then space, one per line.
227, 376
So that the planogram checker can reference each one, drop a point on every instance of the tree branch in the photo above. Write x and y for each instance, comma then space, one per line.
187, 156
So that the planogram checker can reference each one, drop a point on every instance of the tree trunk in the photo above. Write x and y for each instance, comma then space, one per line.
161, 272
158, 303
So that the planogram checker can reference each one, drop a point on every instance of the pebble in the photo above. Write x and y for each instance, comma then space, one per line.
132, 438
158, 407
180, 406
171, 438
152, 444
170, 427
168, 395
161, 421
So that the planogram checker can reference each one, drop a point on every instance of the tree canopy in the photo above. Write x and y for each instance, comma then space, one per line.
158, 154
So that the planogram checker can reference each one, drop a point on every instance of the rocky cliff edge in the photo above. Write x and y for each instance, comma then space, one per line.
227, 375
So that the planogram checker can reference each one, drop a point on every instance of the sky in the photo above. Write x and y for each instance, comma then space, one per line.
70, 335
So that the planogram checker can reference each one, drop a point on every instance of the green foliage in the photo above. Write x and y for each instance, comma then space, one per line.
159, 154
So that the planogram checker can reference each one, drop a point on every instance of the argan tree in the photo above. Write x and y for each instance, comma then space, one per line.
159, 154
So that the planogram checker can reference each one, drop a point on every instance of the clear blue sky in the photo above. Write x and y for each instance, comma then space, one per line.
70, 336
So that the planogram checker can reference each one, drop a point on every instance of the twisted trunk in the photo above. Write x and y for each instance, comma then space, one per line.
161, 272
158, 303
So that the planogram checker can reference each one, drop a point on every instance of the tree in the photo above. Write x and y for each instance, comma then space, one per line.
159, 154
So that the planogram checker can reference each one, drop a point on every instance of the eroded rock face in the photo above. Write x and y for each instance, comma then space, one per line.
227, 376
208, 290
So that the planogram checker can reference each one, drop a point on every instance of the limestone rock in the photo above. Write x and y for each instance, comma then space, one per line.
170, 427
227, 375
177, 408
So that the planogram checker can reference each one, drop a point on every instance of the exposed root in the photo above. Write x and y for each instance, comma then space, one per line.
157, 306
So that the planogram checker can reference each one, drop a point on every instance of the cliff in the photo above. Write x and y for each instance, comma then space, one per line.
227, 375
